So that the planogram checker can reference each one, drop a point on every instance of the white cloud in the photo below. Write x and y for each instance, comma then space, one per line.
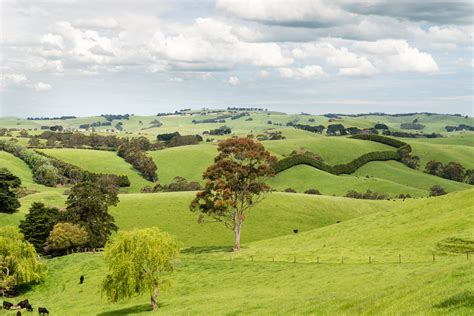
41, 86
233, 81
107, 23
306, 72
263, 74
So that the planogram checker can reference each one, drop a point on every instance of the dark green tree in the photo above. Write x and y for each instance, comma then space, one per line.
469, 176
434, 167
38, 223
454, 171
8, 200
87, 205
437, 190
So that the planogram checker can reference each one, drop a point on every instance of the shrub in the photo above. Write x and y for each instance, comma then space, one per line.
66, 236
289, 190
368, 195
437, 190
312, 191
179, 184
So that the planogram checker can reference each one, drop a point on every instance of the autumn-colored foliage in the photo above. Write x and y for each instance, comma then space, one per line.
234, 183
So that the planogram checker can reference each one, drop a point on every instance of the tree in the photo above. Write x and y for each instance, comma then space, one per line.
34, 142
434, 167
66, 236
87, 205
38, 223
453, 171
234, 183
437, 190
138, 261
8, 200
469, 176
19, 262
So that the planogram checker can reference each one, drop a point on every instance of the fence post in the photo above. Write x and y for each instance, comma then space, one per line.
399, 258
370, 259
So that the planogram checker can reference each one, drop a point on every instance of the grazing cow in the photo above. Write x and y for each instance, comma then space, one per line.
7, 305
23, 304
18, 313
43, 311
29, 308
81, 279
295, 231
338, 222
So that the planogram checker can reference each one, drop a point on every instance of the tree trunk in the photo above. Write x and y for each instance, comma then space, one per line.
154, 304
237, 228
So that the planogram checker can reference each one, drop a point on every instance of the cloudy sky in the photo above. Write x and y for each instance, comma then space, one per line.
82, 57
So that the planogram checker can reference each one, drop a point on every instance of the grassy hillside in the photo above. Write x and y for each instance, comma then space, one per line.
278, 214
333, 150
444, 153
304, 177
224, 287
412, 230
187, 161
101, 162
399, 173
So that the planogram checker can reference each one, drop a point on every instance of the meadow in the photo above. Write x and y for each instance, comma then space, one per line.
301, 254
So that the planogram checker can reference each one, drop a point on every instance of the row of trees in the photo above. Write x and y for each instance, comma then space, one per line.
134, 152
452, 171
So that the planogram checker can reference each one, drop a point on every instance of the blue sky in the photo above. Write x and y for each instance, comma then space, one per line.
67, 57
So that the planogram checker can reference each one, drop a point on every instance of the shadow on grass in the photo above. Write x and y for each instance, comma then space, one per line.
211, 249
137, 309
464, 299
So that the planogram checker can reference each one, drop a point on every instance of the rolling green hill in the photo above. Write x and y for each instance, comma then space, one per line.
100, 162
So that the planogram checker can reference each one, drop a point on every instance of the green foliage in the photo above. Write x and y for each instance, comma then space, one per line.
66, 236
235, 182
179, 184
43, 171
38, 223
20, 265
437, 190
138, 261
312, 191
368, 195
87, 205
8, 200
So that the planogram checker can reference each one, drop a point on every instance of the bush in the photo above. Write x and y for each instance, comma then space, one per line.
312, 191
368, 195
437, 190
289, 190
179, 184
66, 236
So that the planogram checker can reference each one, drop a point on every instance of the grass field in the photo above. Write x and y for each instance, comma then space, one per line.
101, 162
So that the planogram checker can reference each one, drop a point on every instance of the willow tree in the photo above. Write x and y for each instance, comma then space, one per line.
234, 183
139, 261
19, 262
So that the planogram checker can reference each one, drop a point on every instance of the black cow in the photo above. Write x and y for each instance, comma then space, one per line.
7, 305
338, 222
43, 311
81, 279
23, 304
29, 307
18, 313
295, 231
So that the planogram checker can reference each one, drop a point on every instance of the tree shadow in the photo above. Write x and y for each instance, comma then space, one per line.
464, 299
137, 309
211, 249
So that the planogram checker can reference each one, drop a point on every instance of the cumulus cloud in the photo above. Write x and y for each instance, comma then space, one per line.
306, 72
233, 81
21, 80
263, 74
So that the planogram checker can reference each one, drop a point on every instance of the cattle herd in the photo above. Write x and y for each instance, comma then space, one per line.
24, 305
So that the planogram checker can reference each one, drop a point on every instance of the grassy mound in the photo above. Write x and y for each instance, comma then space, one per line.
412, 230
100, 162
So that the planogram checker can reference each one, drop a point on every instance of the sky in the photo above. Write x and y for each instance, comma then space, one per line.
84, 57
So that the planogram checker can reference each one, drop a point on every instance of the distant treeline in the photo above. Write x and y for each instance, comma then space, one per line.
95, 124
412, 135
245, 109
68, 117
111, 117
460, 127
338, 115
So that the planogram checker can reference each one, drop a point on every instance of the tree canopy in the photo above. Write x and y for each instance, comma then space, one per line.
38, 223
8, 200
138, 261
234, 183
87, 205
19, 261
66, 236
